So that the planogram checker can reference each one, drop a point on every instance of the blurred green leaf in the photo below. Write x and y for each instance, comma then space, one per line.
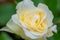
19, 0
36, 2
58, 5
50, 38
5, 36
58, 9
52, 4
6, 11
56, 20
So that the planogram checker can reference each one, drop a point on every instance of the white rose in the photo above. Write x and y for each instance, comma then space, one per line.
32, 22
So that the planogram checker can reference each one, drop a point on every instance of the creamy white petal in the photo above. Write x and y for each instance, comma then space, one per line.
42, 6
29, 34
54, 28
15, 19
16, 29
49, 18
12, 26
6, 29
48, 12
40, 34
24, 5
49, 33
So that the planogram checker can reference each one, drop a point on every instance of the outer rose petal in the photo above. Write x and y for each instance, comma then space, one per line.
29, 34
48, 12
24, 5
6, 29
16, 29
49, 33
54, 28
15, 19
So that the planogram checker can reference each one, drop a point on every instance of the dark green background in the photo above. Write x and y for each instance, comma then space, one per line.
8, 8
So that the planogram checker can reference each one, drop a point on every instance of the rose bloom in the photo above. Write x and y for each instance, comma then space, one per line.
32, 23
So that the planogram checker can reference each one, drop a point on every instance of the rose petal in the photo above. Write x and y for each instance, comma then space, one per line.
42, 6
12, 26
48, 12
54, 28
24, 5
16, 19
49, 33
29, 34
6, 29
16, 29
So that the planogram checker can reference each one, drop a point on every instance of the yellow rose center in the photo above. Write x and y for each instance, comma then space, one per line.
33, 20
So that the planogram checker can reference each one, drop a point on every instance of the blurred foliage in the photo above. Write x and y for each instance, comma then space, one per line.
6, 11
18, 1
52, 4
36, 2
5, 36
9, 8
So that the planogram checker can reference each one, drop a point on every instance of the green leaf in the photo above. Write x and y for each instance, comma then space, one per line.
19, 0
56, 20
58, 5
5, 36
36, 2
6, 11
50, 38
52, 4
58, 9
